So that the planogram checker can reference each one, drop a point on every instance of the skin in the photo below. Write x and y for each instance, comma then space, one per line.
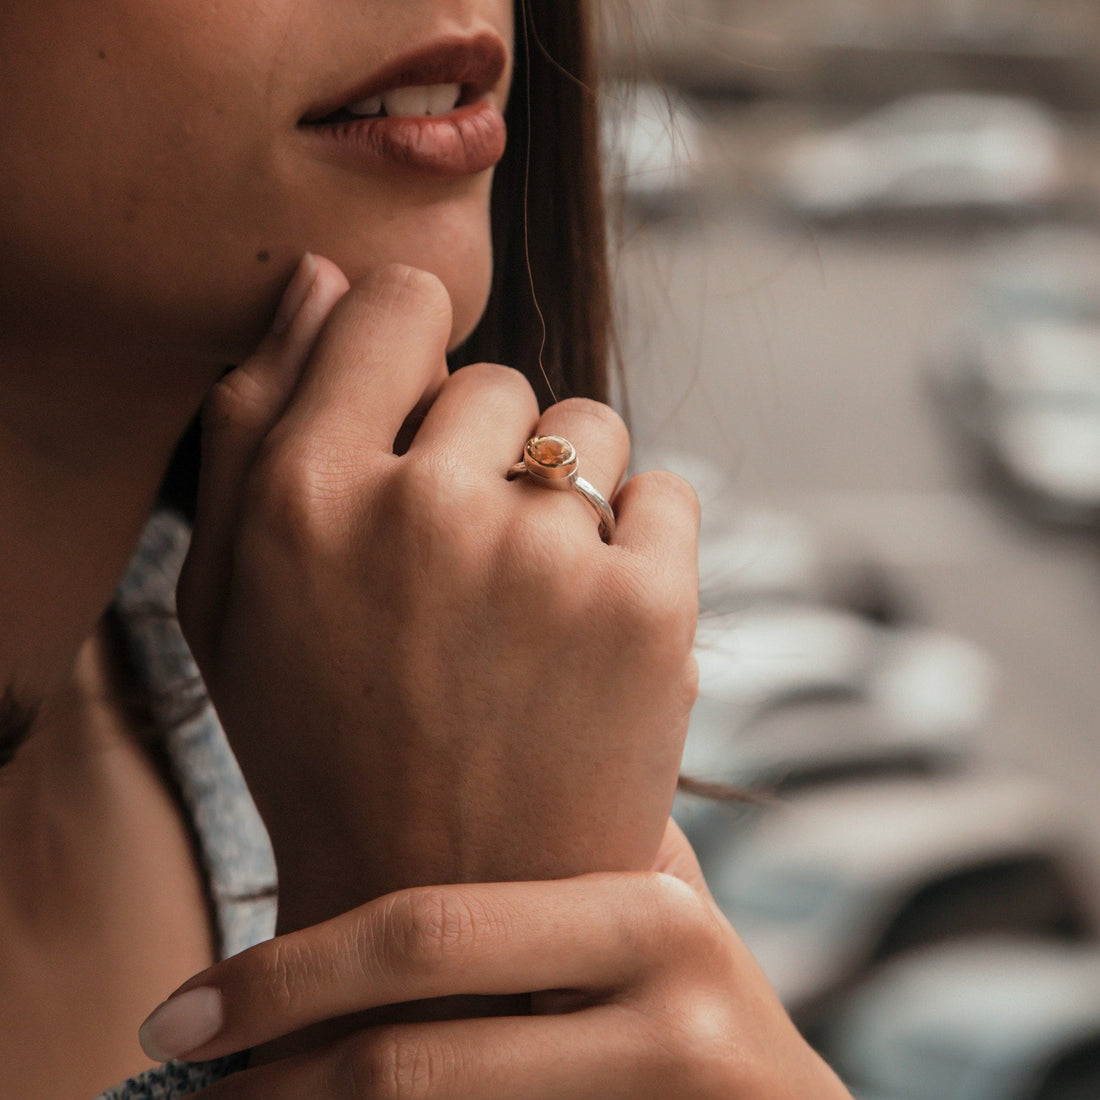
157, 201
123, 129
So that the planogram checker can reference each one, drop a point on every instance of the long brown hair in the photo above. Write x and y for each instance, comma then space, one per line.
549, 312
549, 309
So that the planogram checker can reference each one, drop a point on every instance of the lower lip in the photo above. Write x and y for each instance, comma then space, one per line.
464, 142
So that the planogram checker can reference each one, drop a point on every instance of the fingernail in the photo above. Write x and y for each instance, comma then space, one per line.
295, 294
182, 1024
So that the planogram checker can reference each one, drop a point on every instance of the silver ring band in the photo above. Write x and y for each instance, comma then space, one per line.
551, 461
599, 502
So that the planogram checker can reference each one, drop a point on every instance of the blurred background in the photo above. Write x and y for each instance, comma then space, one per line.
858, 263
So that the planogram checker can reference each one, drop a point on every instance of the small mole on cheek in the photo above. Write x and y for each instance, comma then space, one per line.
102, 55
263, 255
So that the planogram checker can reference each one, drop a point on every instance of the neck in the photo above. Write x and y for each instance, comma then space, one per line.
100, 895
83, 446
86, 823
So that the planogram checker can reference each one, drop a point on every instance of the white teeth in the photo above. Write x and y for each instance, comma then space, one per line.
426, 99
405, 101
369, 106
443, 98
433, 99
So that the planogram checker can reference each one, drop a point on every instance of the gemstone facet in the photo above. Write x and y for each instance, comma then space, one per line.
550, 456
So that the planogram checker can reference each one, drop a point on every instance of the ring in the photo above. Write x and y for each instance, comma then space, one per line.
552, 461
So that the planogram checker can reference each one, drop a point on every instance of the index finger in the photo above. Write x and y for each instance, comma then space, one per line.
383, 349
594, 933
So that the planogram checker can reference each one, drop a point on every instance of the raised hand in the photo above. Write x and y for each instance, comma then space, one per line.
441, 683
430, 673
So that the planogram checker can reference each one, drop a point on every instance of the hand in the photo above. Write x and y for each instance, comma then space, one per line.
649, 993
430, 673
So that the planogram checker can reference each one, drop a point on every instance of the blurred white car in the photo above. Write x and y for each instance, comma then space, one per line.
936, 152
652, 145
760, 554
1044, 414
828, 882
792, 695
996, 1019
760, 654
771, 555
1045, 272
1020, 374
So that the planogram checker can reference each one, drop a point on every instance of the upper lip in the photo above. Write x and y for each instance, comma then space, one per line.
476, 62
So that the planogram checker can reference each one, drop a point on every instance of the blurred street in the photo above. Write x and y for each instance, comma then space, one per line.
792, 356
858, 274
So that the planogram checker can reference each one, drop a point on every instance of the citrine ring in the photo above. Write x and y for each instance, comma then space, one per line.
551, 461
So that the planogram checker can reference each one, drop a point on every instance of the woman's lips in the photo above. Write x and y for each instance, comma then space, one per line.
465, 141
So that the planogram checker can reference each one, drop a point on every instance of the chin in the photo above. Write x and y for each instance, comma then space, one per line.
469, 308
468, 283
453, 244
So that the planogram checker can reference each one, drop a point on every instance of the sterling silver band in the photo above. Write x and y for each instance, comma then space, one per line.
551, 461
599, 502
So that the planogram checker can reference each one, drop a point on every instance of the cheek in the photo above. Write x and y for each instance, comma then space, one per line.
363, 224
451, 240
468, 274
173, 211
113, 183
201, 265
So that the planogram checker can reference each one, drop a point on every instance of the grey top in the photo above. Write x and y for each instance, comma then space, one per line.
234, 848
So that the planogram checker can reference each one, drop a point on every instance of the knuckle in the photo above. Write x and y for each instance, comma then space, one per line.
657, 606
679, 919
297, 492
274, 973
502, 393
539, 555
439, 506
274, 976
691, 1050
603, 419
671, 487
430, 928
430, 488
238, 398
394, 1063
492, 374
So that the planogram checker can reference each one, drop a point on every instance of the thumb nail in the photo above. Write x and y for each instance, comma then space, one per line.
183, 1023
295, 294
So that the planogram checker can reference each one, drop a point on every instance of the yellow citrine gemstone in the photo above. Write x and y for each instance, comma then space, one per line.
551, 451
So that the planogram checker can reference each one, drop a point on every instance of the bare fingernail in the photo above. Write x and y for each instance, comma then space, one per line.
295, 294
182, 1024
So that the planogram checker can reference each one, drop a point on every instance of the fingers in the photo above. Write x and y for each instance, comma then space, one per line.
238, 414
485, 413
593, 933
602, 446
382, 351
589, 1055
599, 435
658, 518
341, 370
